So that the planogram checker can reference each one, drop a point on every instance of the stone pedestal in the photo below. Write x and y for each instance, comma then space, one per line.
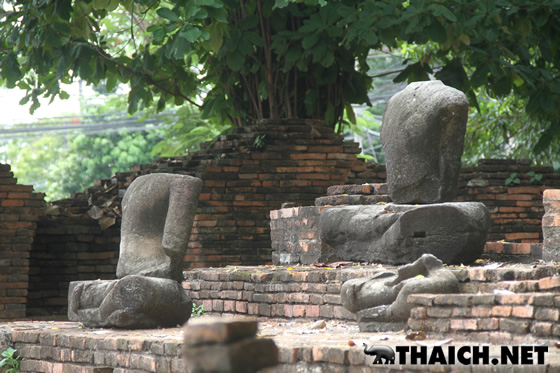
398, 234
133, 302
551, 225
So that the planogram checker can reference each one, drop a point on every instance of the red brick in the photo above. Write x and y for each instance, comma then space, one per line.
12, 203
298, 311
524, 190
501, 311
551, 195
306, 156
514, 197
523, 311
481, 311
312, 311
520, 236
549, 283
464, 324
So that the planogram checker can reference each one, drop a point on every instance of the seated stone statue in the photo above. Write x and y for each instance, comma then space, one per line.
158, 214
382, 298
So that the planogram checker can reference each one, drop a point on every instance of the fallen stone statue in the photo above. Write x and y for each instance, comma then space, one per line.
380, 301
158, 214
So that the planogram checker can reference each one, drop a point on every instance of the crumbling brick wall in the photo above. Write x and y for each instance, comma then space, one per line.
19, 210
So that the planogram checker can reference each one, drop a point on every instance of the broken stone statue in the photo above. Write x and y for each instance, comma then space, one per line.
380, 301
158, 214
422, 133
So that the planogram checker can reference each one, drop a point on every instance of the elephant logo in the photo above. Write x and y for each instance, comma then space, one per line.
383, 354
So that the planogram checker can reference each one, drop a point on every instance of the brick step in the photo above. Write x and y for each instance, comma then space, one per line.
310, 292
498, 318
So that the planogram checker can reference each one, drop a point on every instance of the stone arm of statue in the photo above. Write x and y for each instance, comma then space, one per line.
178, 222
408, 271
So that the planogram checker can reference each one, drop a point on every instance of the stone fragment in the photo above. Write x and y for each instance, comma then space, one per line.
351, 199
226, 345
351, 189
380, 302
158, 214
133, 302
399, 234
423, 136
219, 330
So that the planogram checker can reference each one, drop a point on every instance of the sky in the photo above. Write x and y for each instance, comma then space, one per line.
12, 112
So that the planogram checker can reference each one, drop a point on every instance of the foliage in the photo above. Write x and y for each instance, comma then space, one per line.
59, 166
185, 131
10, 360
197, 311
366, 130
255, 59
502, 129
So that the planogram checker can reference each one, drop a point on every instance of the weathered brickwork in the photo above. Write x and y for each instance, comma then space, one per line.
516, 209
295, 235
68, 249
20, 208
270, 291
65, 347
308, 292
497, 318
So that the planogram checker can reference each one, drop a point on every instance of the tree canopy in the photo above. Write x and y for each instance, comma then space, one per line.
251, 59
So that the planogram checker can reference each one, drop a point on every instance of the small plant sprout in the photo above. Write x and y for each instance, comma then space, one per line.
197, 311
10, 360
513, 179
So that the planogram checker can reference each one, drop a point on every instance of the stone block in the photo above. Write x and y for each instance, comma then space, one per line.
242, 355
219, 330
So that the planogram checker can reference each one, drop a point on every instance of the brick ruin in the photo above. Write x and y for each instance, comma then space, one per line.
246, 175
20, 209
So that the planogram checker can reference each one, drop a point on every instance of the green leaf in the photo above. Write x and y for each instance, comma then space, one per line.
216, 38
191, 34
235, 61
167, 14
442, 10
111, 82
350, 113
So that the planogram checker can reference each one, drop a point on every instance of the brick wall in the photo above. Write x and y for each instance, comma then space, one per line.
270, 291
516, 209
309, 292
19, 211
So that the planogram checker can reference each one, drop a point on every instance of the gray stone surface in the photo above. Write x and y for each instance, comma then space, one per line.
229, 345
423, 136
382, 299
158, 214
400, 234
132, 302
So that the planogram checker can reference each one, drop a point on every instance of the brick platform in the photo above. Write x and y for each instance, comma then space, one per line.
65, 347
308, 292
